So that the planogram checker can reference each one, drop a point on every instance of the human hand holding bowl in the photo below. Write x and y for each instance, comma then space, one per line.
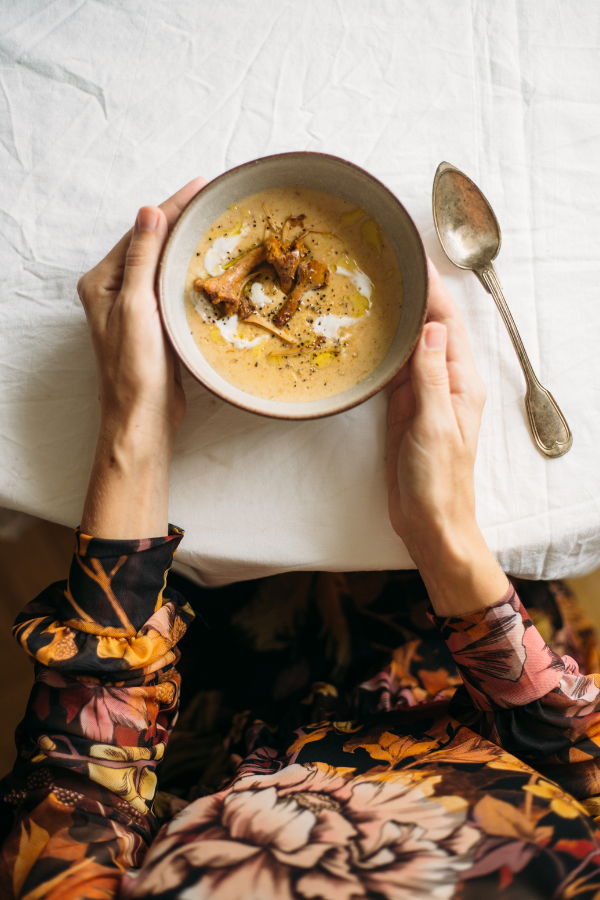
436, 403
141, 397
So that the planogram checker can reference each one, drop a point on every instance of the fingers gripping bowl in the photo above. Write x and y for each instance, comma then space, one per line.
258, 334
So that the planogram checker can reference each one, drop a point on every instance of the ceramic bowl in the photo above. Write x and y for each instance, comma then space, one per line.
323, 173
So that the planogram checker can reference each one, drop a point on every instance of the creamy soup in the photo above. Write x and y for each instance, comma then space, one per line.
293, 295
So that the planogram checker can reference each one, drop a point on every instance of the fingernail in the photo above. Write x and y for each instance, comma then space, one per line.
435, 336
147, 219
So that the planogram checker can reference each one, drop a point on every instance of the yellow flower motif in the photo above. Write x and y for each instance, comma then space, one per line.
147, 787
119, 781
346, 727
561, 803
125, 754
38, 757
137, 652
592, 807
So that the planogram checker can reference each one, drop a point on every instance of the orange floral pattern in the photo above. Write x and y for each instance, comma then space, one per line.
459, 765
77, 805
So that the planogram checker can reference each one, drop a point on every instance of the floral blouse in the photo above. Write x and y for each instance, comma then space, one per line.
334, 741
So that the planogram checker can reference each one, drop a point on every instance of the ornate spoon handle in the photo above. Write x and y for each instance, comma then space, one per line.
550, 431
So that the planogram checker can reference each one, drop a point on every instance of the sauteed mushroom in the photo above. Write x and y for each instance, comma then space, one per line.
312, 275
225, 290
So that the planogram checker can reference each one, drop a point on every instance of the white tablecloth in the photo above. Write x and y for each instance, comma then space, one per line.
109, 105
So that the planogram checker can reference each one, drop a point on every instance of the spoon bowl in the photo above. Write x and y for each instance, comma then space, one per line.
466, 225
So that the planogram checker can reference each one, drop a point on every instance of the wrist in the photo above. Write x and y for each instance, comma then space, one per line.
128, 494
459, 570
136, 436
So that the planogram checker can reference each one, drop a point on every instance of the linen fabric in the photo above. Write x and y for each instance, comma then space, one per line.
334, 742
106, 106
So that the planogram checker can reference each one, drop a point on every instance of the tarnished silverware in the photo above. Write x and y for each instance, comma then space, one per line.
470, 237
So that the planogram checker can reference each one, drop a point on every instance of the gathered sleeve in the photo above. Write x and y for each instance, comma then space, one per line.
76, 810
522, 696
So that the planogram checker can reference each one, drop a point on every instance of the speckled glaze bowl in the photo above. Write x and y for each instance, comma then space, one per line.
309, 170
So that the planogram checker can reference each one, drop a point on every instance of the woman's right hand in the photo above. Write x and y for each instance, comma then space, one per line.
141, 396
138, 374
435, 412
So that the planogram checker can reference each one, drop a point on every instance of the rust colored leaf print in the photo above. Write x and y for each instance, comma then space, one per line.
391, 748
402, 659
469, 748
103, 579
439, 680
304, 739
31, 844
579, 849
501, 819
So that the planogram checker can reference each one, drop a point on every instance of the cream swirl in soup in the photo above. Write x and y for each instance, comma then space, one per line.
293, 295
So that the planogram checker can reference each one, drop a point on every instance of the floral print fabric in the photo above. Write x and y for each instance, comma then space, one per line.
76, 805
334, 742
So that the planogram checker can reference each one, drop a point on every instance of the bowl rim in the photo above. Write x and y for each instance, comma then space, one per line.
222, 395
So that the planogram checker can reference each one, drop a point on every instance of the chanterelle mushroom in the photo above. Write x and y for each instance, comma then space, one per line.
312, 275
284, 255
225, 290
285, 258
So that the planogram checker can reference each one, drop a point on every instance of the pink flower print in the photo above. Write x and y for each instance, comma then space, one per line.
110, 706
313, 832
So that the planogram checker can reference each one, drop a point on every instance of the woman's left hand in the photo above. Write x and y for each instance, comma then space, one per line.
435, 411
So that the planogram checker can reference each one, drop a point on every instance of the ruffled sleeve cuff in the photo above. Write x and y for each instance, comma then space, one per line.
114, 615
502, 657
117, 585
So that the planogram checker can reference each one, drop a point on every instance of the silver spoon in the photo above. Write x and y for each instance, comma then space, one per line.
470, 237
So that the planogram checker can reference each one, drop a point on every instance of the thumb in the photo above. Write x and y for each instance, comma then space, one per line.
147, 239
429, 372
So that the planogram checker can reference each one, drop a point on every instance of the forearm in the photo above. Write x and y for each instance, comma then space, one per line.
458, 569
128, 492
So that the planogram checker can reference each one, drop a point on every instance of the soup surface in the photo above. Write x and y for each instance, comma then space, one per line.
293, 295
